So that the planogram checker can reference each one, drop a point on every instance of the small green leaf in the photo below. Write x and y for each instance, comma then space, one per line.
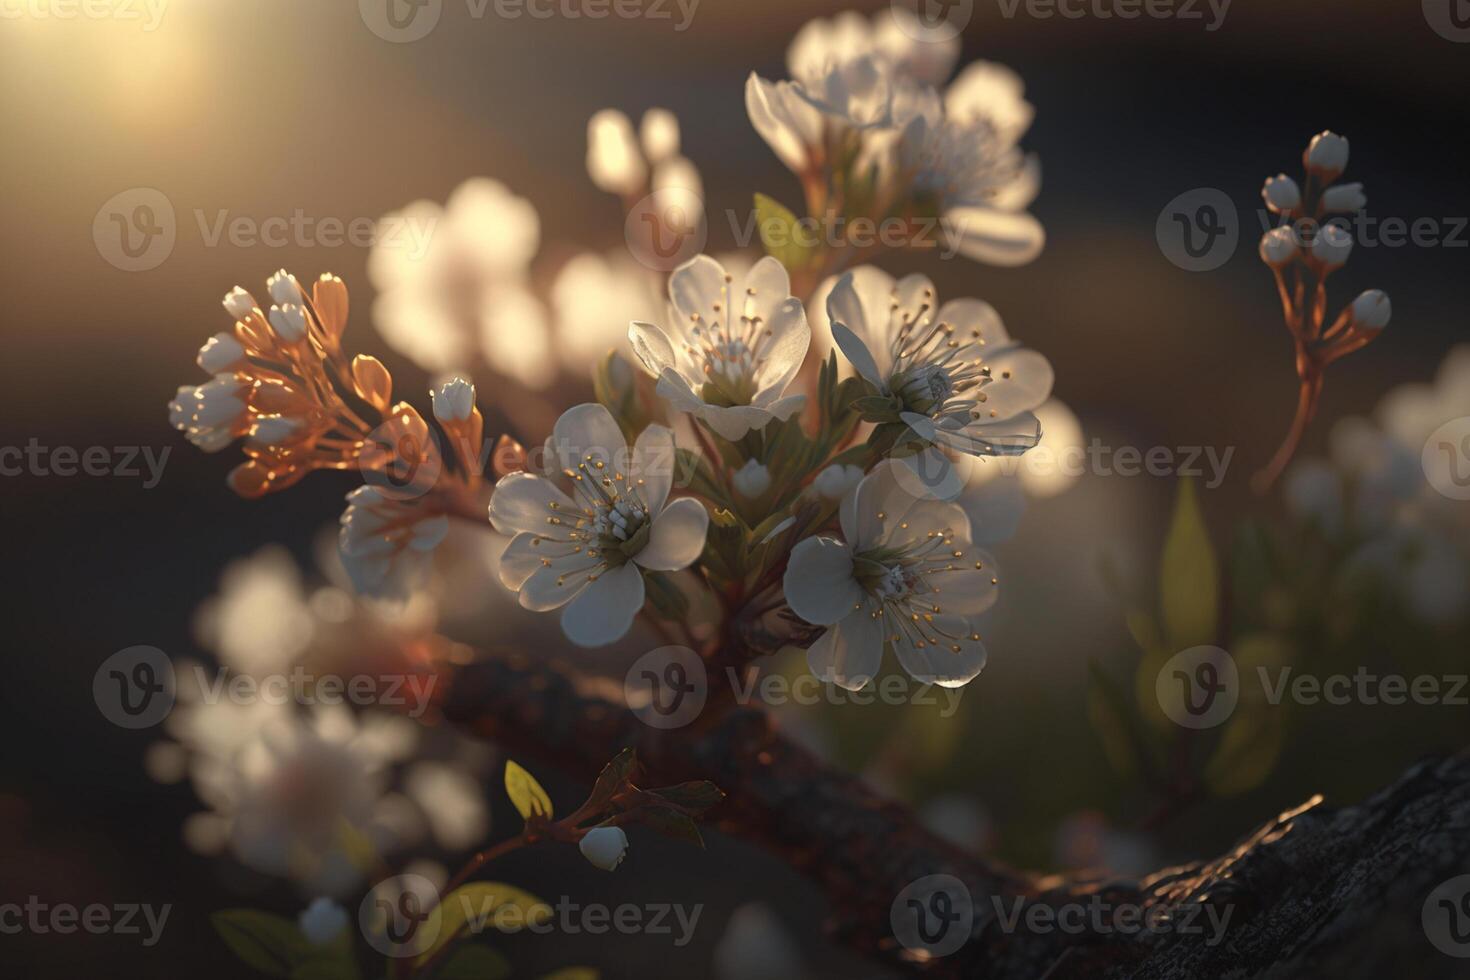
471, 962
877, 408
699, 795
1189, 585
482, 905
668, 600
671, 823
613, 776
525, 793
269, 943
781, 233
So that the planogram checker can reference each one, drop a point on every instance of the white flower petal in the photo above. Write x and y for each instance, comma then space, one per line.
523, 502
652, 346
677, 536
653, 463
1021, 379
554, 585
855, 351
850, 652
589, 430
1004, 238
819, 583
952, 662
603, 612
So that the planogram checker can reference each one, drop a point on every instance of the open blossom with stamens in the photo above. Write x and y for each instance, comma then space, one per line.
955, 375
733, 347
587, 550
961, 158
905, 577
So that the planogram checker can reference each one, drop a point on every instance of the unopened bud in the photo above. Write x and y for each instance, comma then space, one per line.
1371, 310
1281, 194
1327, 155
1344, 197
1278, 247
1332, 247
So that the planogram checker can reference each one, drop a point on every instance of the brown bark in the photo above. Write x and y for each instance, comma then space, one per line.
1314, 892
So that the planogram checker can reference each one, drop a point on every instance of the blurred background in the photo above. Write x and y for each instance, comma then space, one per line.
272, 107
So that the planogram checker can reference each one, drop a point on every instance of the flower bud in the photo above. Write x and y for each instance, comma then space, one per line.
322, 921
751, 480
453, 401
273, 430
238, 303
1281, 194
289, 322
659, 132
1278, 247
285, 289
604, 846
1371, 310
1327, 155
613, 160
835, 481
1332, 246
220, 353
1344, 197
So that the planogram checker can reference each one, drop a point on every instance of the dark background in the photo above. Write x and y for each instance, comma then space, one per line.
266, 106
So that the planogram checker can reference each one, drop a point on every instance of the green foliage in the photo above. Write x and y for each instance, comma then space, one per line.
781, 234
1189, 580
474, 962
275, 946
525, 793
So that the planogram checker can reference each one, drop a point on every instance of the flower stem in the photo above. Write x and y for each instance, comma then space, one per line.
1306, 407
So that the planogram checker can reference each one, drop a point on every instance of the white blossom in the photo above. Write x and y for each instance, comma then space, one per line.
905, 577
733, 346
586, 551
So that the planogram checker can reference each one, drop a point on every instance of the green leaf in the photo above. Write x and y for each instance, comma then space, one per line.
877, 408
781, 234
472, 962
699, 795
525, 793
269, 943
1251, 743
480, 905
1189, 585
671, 823
1124, 739
668, 600
613, 776
573, 973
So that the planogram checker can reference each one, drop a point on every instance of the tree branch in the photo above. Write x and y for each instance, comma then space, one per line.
1313, 892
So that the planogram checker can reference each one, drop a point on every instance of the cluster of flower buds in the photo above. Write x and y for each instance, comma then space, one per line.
283, 383
1302, 251
1307, 246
